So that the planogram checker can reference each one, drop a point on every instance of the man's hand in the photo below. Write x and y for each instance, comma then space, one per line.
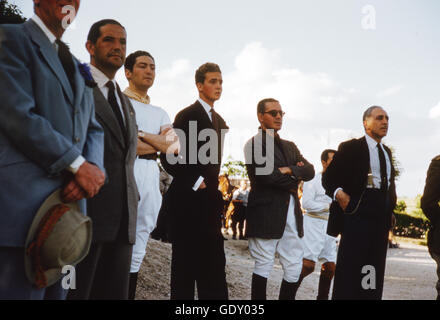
90, 178
286, 170
72, 192
202, 186
343, 199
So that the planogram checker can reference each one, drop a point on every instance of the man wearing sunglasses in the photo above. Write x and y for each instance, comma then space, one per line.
360, 180
274, 216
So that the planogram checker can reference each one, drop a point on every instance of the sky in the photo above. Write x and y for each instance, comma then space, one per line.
325, 61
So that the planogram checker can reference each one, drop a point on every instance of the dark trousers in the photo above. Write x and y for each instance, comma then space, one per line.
199, 262
238, 219
360, 266
104, 274
14, 284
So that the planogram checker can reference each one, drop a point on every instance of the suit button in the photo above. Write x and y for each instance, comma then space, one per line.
76, 140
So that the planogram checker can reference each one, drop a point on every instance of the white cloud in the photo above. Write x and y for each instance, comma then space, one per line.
390, 91
435, 112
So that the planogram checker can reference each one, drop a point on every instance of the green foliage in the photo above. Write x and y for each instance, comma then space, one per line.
234, 168
410, 226
397, 166
10, 13
400, 206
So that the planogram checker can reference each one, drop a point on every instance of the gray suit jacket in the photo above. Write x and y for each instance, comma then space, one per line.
115, 206
269, 198
44, 127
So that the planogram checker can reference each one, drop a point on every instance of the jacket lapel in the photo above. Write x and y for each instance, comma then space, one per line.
79, 85
105, 112
50, 55
128, 115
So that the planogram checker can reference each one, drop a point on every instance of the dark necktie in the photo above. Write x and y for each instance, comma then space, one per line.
114, 104
383, 169
67, 62
214, 120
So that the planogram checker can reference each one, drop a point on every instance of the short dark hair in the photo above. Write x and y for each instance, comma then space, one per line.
130, 61
261, 107
205, 68
95, 30
325, 153
368, 112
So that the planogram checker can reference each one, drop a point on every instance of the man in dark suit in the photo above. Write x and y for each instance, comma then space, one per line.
431, 208
274, 216
360, 180
49, 138
193, 200
104, 274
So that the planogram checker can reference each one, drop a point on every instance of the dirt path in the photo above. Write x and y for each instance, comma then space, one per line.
410, 274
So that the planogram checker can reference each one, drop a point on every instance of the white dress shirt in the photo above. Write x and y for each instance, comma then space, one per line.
101, 79
74, 166
207, 108
375, 164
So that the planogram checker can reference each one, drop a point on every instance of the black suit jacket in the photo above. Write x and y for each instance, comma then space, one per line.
115, 205
349, 171
269, 197
186, 208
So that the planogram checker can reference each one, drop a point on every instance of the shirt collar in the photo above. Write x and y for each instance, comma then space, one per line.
100, 78
371, 142
205, 106
45, 29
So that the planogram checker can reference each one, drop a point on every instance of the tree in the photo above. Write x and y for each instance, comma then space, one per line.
234, 168
10, 13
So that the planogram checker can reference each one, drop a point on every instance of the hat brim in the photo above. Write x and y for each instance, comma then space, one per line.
54, 274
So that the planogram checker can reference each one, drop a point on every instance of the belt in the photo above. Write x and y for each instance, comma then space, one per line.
317, 215
152, 156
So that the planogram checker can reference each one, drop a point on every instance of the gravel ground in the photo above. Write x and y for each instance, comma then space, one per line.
410, 274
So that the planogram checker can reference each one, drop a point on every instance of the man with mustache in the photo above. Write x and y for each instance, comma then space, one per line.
49, 138
360, 180
274, 216
104, 274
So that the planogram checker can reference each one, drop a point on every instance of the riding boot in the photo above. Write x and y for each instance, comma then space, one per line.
258, 291
288, 290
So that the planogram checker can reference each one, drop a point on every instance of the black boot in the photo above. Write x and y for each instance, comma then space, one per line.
132, 285
258, 291
288, 290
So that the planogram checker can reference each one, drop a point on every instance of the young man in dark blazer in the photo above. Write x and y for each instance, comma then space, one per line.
104, 274
274, 216
360, 179
194, 201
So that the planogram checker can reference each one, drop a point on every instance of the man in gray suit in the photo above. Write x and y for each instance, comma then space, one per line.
104, 274
274, 216
49, 137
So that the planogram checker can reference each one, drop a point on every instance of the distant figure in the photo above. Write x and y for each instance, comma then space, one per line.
360, 180
274, 216
318, 245
240, 200
225, 188
431, 208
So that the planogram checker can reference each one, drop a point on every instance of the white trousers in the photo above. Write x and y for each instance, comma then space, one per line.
289, 249
147, 178
318, 245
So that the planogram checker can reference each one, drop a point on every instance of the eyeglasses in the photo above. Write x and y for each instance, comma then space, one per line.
274, 113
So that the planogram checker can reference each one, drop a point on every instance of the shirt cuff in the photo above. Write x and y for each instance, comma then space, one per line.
74, 166
336, 191
198, 183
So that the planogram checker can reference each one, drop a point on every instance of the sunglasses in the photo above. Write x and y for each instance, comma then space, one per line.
274, 113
